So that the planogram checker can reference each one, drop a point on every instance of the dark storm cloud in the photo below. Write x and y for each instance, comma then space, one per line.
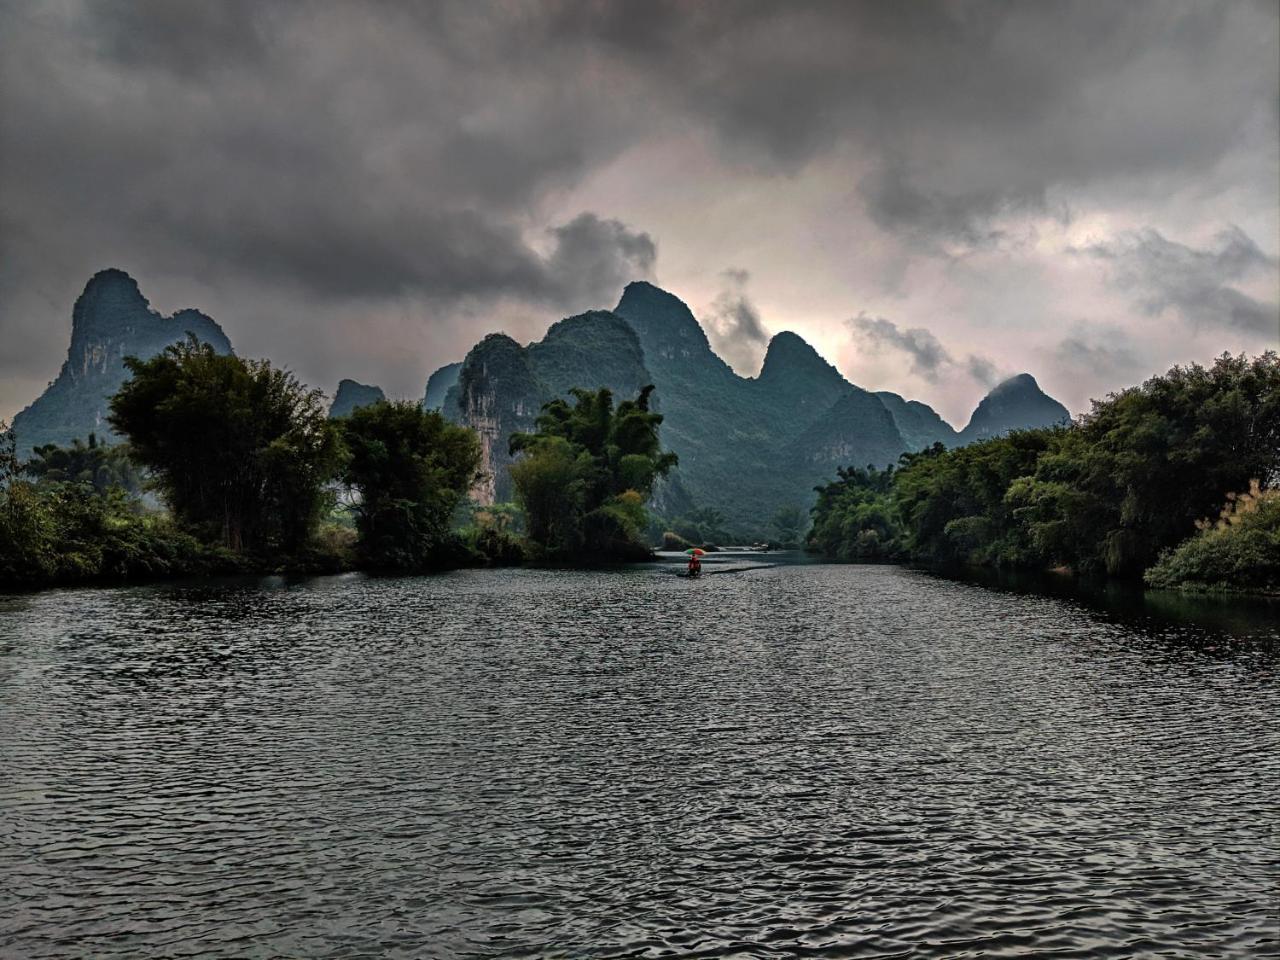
928, 357
963, 110
594, 259
1162, 274
319, 155
734, 326
184, 39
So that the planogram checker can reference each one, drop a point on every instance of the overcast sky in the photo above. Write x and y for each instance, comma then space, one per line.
936, 195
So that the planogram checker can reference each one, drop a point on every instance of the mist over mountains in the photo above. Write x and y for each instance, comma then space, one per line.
747, 445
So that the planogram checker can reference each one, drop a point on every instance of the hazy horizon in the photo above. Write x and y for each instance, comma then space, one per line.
935, 196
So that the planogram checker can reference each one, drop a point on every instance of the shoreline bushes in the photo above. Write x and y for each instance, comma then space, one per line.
1240, 551
1105, 496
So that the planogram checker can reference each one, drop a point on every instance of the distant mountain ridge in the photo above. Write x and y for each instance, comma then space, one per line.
110, 321
747, 446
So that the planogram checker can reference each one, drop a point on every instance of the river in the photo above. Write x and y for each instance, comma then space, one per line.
793, 761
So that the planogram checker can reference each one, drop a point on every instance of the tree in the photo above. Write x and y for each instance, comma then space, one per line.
702, 525
789, 524
856, 519
1106, 495
241, 451
101, 466
585, 475
1146, 463
411, 468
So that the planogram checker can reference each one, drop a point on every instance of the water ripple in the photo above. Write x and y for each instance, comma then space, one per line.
796, 762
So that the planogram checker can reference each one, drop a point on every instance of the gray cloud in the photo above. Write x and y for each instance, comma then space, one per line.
1161, 274
926, 353
594, 259
929, 358
982, 370
1108, 354
734, 326
327, 162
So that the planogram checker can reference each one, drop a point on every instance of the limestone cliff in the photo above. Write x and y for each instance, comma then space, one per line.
439, 384
111, 320
352, 394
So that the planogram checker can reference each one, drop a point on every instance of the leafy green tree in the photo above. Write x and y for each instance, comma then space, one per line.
585, 475
67, 531
101, 466
789, 524
856, 519
240, 450
27, 529
952, 502
1104, 496
702, 525
411, 469
1139, 470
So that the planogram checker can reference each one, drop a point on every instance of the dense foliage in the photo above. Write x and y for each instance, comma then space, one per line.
584, 477
240, 451
855, 518
701, 526
1104, 496
411, 469
70, 526
249, 468
1239, 551
100, 465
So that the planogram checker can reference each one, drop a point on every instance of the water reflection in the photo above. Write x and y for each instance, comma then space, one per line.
791, 761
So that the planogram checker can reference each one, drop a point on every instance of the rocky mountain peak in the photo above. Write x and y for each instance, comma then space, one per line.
790, 355
1015, 404
111, 320
662, 320
353, 394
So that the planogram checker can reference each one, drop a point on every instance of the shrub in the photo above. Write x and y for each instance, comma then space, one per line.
1238, 551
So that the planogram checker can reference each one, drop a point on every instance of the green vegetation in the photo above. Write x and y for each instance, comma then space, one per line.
240, 451
1104, 496
789, 525
584, 477
701, 526
250, 469
69, 525
856, 519
411, 469
99, 465
1238, 551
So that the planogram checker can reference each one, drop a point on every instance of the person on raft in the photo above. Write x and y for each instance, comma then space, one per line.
695, 565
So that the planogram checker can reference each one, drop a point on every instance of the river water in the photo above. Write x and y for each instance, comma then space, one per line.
835, 761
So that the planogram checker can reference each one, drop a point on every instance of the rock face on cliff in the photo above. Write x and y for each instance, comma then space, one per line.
502, 386
1016, 404
439, 384
352, 394
747, 446
111, 320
